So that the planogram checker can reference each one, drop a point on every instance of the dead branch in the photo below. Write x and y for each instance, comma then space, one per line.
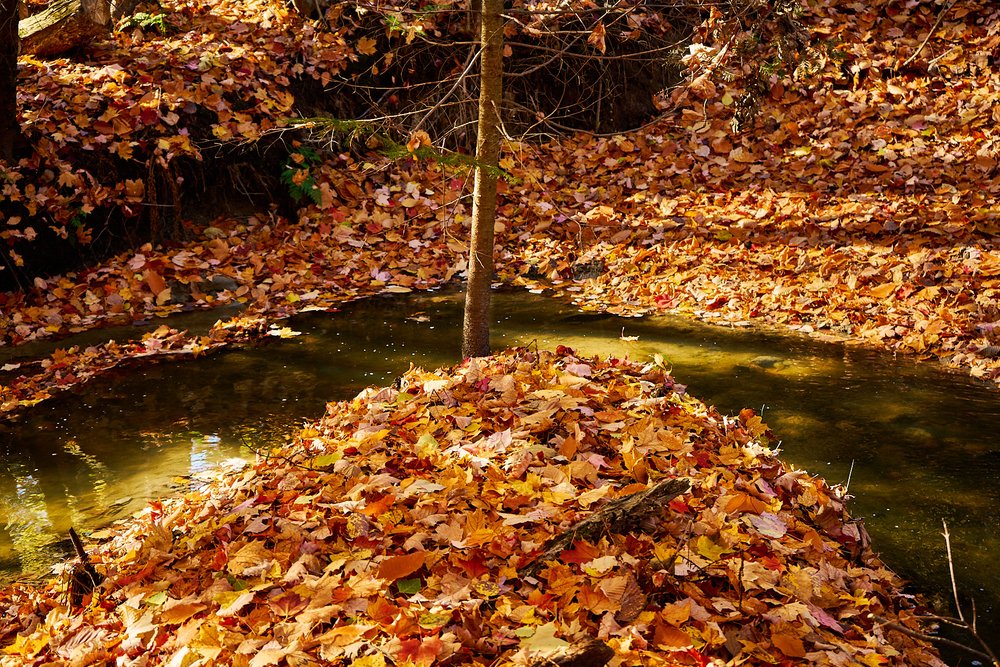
590, 653
621, 515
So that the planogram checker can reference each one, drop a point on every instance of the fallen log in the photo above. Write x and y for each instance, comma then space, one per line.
621, 515
591, 653
64, 25
67, 24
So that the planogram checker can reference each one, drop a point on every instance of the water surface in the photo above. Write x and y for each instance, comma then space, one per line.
921, 440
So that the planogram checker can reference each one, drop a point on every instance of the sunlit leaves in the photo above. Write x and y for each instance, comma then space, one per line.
404, 551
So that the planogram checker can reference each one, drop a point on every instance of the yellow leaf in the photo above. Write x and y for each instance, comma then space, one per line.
249, 555
27, 646
544, 640
709, 549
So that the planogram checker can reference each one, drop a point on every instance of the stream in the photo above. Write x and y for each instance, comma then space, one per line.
918, 442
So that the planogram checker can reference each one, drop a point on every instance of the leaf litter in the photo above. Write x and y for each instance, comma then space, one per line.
862, 205
410, 526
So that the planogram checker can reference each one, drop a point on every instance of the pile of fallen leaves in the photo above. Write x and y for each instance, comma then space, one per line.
443, 521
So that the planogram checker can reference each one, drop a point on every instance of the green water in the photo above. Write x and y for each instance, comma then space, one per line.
923, 441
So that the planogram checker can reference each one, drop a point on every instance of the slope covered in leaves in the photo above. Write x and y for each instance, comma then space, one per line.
274, 268
862, 202
414, 525
115, 130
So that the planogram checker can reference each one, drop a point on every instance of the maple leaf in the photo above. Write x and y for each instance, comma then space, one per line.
366, 46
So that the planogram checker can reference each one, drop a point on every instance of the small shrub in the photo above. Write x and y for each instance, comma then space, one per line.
297, 175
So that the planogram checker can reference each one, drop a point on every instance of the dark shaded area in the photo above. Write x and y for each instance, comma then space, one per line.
12, 143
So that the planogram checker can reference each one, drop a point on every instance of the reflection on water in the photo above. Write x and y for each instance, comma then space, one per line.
921, 441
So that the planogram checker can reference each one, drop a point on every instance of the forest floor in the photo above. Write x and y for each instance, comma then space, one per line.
863, 205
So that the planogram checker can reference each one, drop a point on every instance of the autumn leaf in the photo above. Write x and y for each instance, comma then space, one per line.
596, 37
789, 645
418, 140
398, 567
366, 46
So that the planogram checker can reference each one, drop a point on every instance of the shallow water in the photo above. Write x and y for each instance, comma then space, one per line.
922, 441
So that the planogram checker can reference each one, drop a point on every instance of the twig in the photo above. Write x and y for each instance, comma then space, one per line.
929, 34
951, 570
620, 515
469, 61
969, 627
932, 638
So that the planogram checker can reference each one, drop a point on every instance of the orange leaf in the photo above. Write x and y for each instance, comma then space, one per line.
398, 567
884, 290
419, 652
155, 281
366, 46
789, 645
596, 38
668, 636
741, 502
418, 139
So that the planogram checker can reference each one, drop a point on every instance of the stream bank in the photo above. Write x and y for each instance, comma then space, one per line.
400, 525
911, 431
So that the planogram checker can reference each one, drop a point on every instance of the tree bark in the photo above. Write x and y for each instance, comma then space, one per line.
476, 325
10, 130
65, 25
588, 653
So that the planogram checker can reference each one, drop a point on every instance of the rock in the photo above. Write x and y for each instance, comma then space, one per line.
586, 270
765, 361
218, 283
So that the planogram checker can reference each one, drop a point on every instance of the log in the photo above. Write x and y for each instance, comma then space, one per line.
591, 653
122, 8
620, 516
65, 25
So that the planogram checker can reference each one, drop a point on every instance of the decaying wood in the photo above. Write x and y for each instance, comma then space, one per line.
121, 8
621, 515
592, 653
84, 578
64, 25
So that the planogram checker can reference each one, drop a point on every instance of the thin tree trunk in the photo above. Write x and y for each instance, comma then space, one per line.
10, 130
476, 327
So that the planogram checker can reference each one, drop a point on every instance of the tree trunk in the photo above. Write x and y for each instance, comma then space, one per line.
10, 130
476, 327
65, 25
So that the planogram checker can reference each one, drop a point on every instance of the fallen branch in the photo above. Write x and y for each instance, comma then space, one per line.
621, 515
920, 48
943, 641
591, 653
84, 578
